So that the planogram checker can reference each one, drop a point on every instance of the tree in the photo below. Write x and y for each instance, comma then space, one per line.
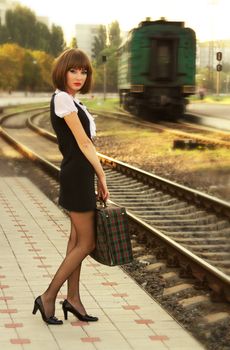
11, 58
106, 44
44, 62
73, 43
31, 75
112, 69
57, 43
99, 43
21, 24
111, 54
25, 69
114, 35
4, 35
43, 37
23, 28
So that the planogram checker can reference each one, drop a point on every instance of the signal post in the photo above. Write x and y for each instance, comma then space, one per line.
219, 69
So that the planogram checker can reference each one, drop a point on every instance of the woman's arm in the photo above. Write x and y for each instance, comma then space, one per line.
88, 149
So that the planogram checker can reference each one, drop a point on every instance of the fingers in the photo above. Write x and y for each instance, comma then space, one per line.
106, 196
103, 195
102, 191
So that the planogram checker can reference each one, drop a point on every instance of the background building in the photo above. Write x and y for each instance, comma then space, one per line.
206, 53
85, 35
4, 6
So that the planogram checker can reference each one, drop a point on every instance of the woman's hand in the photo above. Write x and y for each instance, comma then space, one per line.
102, 190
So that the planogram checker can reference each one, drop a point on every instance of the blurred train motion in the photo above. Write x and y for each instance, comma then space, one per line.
156, 68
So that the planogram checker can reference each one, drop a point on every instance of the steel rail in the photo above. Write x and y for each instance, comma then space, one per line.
203, 271
200, 198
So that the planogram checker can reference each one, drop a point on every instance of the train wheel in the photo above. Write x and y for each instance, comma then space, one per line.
177, 111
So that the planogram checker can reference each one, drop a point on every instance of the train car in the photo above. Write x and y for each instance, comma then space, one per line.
156, 67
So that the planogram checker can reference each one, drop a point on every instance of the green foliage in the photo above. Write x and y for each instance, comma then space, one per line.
21, 23
96, 103
23, 28
114, 34
31, 74
42, 34
99, 44
106, 44
57, 43
73, 43
207, 77
4, 34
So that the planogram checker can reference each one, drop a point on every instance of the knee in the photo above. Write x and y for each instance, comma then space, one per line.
91, 247
88, 248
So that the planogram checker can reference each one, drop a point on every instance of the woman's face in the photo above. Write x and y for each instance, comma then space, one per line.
75, 79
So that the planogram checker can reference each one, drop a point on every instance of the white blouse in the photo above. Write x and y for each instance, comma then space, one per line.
64, 105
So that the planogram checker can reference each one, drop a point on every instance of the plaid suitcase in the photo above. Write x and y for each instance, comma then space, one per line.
113, 245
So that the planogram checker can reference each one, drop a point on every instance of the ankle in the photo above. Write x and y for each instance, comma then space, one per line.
74, 300
47, 297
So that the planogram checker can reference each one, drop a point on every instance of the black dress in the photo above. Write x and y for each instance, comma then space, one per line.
77, 191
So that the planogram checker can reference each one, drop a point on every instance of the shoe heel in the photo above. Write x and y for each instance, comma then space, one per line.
65, 313
36, 307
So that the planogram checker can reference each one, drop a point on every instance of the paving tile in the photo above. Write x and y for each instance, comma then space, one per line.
6, 345
7, 333
20, 341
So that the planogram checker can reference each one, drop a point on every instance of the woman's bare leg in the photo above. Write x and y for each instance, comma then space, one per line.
85, 227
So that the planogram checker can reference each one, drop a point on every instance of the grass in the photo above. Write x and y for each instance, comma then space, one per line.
99, 104
111, 104
154, 145
211, 99
204, 169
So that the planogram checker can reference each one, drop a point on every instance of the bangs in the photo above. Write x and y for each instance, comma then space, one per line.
78, 60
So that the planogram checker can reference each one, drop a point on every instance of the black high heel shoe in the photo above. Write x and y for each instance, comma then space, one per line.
38, 305
67, 307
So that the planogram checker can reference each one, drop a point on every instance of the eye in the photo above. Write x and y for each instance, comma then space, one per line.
72, 70
84, 71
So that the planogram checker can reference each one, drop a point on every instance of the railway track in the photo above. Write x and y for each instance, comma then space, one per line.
190, 132
189, 230
196, 133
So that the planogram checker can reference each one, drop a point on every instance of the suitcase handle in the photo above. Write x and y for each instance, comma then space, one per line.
100, 203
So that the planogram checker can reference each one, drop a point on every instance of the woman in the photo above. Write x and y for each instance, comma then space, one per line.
75, 128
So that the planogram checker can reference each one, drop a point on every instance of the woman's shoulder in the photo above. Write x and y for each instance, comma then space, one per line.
63, 104
62, 96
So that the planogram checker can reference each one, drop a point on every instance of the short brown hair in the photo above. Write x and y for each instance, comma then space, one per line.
71, 58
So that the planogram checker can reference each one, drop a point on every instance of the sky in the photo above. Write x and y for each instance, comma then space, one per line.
209, 18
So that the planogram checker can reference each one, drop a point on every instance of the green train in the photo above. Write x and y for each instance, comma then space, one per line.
156, 67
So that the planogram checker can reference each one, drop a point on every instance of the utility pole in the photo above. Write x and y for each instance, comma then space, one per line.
104, 59
212, 10
227, 83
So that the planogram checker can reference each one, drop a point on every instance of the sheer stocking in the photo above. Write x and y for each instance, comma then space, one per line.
70, 267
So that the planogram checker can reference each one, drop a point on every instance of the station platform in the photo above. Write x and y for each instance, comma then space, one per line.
33, 236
